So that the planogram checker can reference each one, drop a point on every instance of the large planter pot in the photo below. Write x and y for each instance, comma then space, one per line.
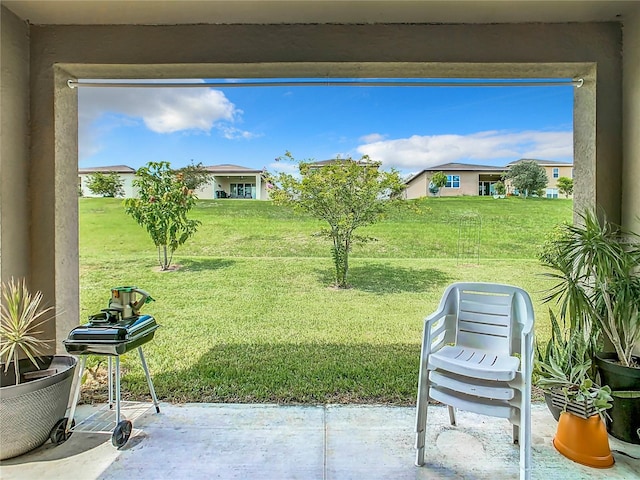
30, 410
617, 376
583, 440
625, 416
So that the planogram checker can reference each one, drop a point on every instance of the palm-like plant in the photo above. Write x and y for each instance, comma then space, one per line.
21, 316
595, 267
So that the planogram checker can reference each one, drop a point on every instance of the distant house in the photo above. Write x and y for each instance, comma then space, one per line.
234, 181
126, 174
479, 180
554, 171
462, 179
229, 181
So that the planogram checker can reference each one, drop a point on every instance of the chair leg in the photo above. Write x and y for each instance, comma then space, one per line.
516, 434
420, 449
422, 405
525, 441
452, 415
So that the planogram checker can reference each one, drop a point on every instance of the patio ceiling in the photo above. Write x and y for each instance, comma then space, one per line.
173, 12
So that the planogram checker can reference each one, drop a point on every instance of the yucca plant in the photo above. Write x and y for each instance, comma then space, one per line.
21, 318
595, 266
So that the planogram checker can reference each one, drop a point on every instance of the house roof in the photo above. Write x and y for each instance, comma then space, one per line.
108, 169
463, 167
548, 163
227, 168
457, 167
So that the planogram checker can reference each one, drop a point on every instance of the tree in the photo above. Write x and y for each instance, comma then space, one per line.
347, 194
438, 180
161, 208
195, 175
527, 176
107, 185
499, 188
565, 186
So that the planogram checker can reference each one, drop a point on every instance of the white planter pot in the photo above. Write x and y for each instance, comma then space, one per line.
29, 411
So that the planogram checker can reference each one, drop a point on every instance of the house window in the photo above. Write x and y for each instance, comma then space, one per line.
453, 181
243, 190
556, 172
552, 193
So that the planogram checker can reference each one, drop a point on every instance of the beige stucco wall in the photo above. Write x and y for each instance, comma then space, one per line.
562, 172
14, 151
631, 130
127, 185
419, 187
591, 51
468, 185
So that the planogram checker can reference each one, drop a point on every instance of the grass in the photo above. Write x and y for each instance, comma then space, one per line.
250, 316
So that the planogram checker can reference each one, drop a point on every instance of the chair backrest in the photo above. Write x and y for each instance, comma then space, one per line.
485, 317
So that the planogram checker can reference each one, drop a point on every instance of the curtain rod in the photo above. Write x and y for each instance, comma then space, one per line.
327, 83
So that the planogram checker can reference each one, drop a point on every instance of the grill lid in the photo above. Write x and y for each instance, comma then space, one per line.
104, 330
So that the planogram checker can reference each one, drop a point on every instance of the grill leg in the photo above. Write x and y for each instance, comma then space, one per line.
117, 389
146, 372
76, 394
110, 383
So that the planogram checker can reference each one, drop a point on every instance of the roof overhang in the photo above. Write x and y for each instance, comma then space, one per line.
180, 12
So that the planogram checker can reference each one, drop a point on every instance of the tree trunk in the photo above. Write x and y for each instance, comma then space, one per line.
340, 260
165, 263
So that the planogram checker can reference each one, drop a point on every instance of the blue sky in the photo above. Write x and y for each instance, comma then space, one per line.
409, 128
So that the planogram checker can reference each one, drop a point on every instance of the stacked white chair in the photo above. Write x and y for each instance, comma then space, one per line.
477, 356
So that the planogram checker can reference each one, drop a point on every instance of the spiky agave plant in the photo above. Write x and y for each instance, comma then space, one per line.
21, 316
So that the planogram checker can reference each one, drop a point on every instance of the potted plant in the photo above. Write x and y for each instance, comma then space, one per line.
566, 353
597, 285
581, 434
34, 387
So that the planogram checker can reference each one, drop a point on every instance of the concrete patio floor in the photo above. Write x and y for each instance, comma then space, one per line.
226, 441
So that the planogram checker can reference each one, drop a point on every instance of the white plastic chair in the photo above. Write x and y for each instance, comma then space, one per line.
477, 356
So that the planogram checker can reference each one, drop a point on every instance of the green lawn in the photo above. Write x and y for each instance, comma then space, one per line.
250, 317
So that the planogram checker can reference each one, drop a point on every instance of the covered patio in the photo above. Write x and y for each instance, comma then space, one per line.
45, 44
332, 442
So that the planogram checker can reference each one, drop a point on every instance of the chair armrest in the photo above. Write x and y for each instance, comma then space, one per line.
434, 318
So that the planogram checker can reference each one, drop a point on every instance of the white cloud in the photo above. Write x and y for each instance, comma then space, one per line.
162, 110
372, 138
232, 133
284, 166
496, 147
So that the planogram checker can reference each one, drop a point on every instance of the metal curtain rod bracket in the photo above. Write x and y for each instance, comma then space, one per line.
326, 83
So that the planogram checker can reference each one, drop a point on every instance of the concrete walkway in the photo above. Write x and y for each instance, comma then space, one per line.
270, 442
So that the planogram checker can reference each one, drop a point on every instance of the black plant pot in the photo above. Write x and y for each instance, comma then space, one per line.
555, 411
625, 385
625, 416
617, 376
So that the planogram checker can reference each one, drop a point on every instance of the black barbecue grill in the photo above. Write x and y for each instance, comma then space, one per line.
112, 332
106, 335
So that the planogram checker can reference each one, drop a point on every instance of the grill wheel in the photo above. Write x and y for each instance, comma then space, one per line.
121, 433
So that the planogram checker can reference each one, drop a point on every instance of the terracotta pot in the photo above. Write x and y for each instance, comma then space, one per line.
584, 441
